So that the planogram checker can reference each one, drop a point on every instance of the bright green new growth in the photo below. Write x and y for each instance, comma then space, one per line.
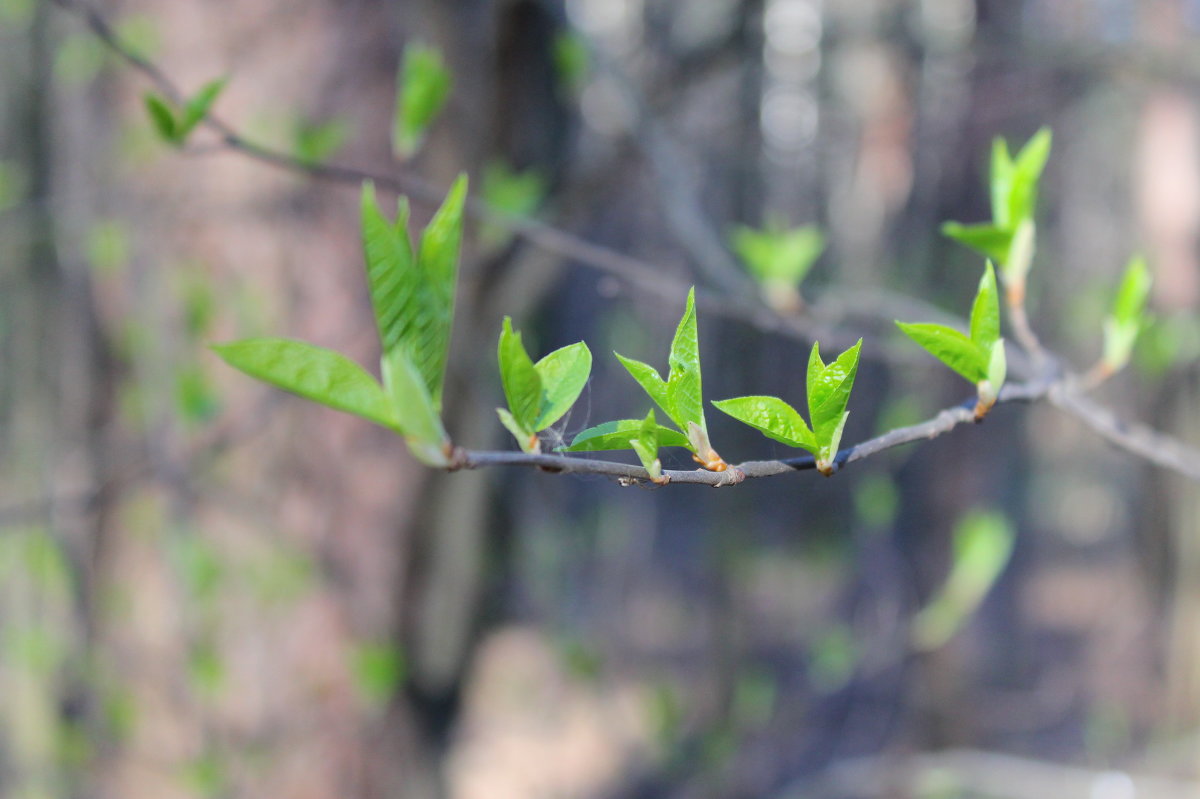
828, 388
779, 259
314, 142
619, 434
516, 193
680, 395
175, 125
978, 357
1008, 240
646, 447
422, 88
1128, 316
539, 393
413, 292
983, 544
413, 297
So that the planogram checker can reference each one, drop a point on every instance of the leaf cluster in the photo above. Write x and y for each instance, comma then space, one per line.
978, 356
1008, 239
538, 394
175, 124
412, 293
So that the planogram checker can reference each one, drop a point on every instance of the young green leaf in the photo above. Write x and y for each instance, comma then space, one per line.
1013, 186
1131, 297
772, 417
619, 434
564, 373
415, 410
1001, 183
423, 86
195, 109
829, 390
985, 311
1128, 316
950, 347
683, 384
681, 396
315, 373
992, 241
1026, 172
522, 384
646, 447
163, 117
648, 378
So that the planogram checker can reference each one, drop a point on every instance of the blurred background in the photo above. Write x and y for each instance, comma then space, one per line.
209, 588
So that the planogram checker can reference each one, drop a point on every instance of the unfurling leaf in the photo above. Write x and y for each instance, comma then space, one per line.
195, 109
979, 357
1013, 185
415, 409
314, 373
413, 293
162, 116
1128, 316
646, 447
422, 88
522, 385
950, 347
680, 396
992, 241
773, 417
619, 434
564, 373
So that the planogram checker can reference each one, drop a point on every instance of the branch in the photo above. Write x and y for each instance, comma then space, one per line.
1062, 392
627, 474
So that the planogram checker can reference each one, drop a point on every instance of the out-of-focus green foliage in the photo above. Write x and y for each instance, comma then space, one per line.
983, 543
422, 88
1009, 239
379, 669
1128, 317
779, 258
174, 125
314, 142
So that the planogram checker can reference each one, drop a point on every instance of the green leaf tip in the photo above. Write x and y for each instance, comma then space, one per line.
646, 447
618, 435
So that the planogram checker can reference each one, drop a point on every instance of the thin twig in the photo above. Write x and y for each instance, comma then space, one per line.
1156, 447
939, 425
